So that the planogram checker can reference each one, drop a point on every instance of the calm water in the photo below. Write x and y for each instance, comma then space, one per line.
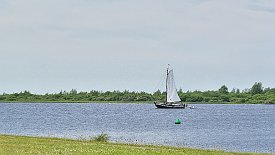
227, 127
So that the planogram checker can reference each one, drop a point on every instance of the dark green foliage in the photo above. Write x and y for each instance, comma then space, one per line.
158, 95
257, 88
101, 138
257, 94
224, 90
74, 96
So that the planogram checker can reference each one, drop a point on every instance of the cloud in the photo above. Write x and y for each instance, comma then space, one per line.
116, 44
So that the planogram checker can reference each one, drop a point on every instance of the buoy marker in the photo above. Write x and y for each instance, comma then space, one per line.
178, 121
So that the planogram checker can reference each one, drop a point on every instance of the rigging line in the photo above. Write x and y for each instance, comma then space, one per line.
161, 82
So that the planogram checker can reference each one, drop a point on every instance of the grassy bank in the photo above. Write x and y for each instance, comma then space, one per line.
37, 145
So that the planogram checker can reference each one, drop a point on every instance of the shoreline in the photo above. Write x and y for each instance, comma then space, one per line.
16, 144
130, 102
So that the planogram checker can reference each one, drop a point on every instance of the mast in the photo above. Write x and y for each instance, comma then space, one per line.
166, 97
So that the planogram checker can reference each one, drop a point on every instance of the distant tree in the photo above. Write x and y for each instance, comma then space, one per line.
246, 90
238, 91
272, 90
26, 92
180, 91
266, 90
223, 90
158, 95
194, 98
257, 88
73, 91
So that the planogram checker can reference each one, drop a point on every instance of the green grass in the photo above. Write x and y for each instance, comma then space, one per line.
22, 145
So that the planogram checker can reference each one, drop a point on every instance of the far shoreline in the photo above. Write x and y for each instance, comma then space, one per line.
129, 102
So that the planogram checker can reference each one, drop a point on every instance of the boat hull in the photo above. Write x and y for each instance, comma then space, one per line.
170, 106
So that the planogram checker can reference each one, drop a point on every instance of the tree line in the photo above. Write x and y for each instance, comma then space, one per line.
254, 95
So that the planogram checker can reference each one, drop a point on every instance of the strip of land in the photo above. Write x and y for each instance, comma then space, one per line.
254, 95
22, 145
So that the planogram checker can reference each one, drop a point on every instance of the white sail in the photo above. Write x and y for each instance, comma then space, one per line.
172, 94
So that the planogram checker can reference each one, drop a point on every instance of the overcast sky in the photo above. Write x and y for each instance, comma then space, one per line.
53, 45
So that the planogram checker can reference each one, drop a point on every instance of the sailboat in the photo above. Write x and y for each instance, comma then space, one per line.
172, 99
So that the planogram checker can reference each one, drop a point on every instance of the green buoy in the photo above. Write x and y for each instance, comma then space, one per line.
178, 121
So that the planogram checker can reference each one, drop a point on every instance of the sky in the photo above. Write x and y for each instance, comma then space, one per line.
54, 45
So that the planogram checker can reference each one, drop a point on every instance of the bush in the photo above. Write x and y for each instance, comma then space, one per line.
101, 138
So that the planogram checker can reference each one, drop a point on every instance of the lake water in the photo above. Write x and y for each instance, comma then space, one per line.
239, 127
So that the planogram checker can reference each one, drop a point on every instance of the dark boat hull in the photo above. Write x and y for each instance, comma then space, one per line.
170, 106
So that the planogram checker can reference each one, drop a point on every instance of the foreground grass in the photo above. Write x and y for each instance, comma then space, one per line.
22, 145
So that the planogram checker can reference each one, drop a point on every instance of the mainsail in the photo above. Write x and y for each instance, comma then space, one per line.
172, 94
